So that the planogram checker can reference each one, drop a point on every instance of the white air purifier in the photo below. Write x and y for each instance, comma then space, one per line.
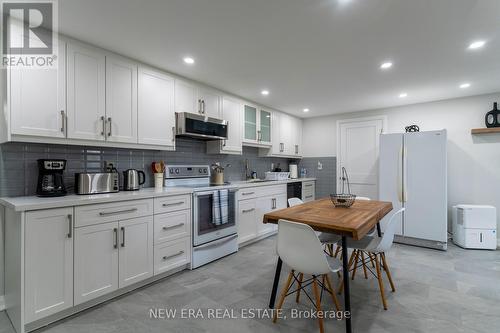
475, 227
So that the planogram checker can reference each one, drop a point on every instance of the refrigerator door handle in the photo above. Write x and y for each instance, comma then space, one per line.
399, 185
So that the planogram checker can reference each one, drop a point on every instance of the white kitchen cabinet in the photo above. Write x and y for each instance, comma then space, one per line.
268, 204
256, 126
286, 134
96, 261
121, 100
210, 102
136, 250
185, 97
296, 136
247, 215
38, 99
156, 116
232, 111
48, 262
86, 92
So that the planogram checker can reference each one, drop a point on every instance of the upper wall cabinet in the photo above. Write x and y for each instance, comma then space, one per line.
286, 136
232, 111
38, 100
156, 117
210, 102
185, 97
86, 92
257, 126
121, 100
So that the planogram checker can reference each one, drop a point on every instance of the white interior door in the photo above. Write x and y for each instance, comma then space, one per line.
358, 151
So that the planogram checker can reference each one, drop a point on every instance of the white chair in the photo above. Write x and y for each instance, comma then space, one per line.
375, 248
299, 248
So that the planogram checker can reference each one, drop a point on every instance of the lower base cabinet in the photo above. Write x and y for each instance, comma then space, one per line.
172, 254
112, 255
247, 217
48, 262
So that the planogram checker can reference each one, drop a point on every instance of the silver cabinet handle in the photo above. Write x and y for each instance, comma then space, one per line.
309, 196
244, 211
203, 106
224, 142
118, 212
123, 237
63, 121
173, 255
103, 132
110, 125
173, 133
259, 136
115, 232
70, 225
308, 185
274, 203
282, 147
247, 193
173, 204
296, 149
199, 106
173, 226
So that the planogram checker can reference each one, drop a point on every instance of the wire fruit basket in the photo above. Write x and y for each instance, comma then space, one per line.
343, 199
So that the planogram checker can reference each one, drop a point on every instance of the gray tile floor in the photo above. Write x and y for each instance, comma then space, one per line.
453, 291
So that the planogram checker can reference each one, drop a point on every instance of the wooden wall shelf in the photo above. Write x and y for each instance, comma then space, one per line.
493, 130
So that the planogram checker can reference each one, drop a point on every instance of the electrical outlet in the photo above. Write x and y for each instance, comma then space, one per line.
320, 165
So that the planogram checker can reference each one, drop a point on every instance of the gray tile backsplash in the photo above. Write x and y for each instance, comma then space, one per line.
326, 177
18, 168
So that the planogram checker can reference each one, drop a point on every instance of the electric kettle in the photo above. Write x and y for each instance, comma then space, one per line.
133, 179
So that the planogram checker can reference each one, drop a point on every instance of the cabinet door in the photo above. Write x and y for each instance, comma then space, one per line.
210, 102
185, 97
38, 99
247, 217
86, 92
264, 206
264, 134
136, 250
286, 135
48, 262
96, 261
232, 111
277, 147
297, 137
156, 117
121, 100
250, 127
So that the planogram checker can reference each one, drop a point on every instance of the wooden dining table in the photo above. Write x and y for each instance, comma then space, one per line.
354, 222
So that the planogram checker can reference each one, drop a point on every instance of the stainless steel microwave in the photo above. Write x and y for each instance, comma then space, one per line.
201, 127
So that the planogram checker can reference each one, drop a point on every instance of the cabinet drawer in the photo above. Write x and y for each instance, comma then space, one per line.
172, 204
247, 193
109, 212
259, 191
170, 226
170, 255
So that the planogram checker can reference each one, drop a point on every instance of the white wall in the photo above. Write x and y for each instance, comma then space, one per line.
473, 161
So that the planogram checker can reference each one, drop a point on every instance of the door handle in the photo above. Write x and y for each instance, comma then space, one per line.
123, 237
115, 232
173, 255
63, 121
110, 125
173, 226
70, 225
103, 132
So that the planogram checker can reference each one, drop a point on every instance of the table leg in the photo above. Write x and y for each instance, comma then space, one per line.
379, 231
275, 283
347, 296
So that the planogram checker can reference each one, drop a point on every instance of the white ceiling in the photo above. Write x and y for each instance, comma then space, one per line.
320, 54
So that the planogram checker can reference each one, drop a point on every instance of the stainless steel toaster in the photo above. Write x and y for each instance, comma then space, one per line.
94, 183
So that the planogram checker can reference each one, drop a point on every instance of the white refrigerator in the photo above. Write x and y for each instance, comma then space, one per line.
413, 175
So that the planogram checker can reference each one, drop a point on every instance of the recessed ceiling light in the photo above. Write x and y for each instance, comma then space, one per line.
306, 110
188, 60
464, 85
386, 65
477, 44
265, 92
403, 95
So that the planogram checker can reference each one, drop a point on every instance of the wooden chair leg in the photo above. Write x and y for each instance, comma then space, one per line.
283, 295
364, 264
387, 272
318, 304
301, 277
332, 292
341, 284
380, 282
356, 260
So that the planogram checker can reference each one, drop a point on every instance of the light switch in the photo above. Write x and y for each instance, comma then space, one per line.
320, 165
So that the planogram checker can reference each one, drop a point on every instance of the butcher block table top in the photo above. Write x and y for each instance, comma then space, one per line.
355, 221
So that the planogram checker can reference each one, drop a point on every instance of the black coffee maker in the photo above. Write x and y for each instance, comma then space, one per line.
50, 178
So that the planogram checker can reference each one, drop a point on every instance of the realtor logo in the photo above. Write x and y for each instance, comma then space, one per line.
28, 37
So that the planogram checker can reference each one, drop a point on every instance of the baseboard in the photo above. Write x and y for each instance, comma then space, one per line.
2, 303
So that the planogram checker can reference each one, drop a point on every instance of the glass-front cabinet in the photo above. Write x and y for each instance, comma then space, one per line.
257, 126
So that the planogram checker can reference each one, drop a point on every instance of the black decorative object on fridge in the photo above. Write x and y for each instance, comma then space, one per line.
492, 118
412, 128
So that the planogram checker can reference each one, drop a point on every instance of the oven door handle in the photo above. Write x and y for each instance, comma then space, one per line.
230, 190
216, 243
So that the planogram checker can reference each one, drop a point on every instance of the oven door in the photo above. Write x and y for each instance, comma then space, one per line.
214, 215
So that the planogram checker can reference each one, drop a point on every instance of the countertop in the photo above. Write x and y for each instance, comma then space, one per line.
20, 204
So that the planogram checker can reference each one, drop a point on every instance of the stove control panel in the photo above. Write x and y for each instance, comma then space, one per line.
187, 171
